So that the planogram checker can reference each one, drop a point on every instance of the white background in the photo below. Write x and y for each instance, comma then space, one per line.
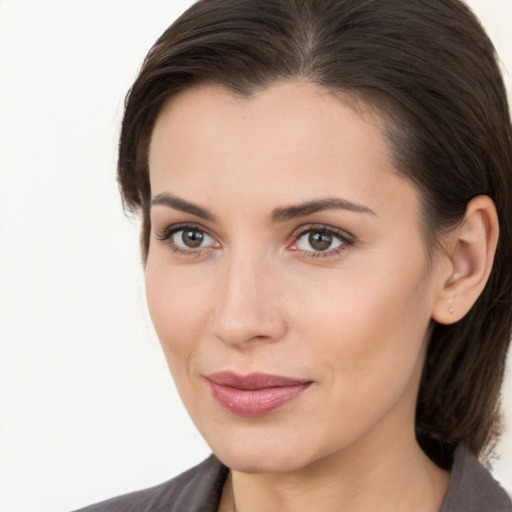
88, 410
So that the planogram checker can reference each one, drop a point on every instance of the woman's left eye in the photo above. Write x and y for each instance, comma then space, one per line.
320, 241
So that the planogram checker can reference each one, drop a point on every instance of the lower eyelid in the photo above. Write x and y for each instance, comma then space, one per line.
330, 253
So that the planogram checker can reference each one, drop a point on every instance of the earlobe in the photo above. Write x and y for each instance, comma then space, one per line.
471, 253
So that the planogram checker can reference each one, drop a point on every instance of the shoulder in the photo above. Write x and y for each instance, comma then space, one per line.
198, 489
472, 488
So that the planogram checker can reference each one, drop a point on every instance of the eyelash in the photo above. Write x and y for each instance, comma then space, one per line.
170, 231
346, 240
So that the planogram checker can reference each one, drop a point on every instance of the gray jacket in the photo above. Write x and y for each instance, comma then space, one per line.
472, 489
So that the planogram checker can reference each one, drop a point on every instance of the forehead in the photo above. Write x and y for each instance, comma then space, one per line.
294, 137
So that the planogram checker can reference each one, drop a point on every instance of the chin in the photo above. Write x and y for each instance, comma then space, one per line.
249, 461
264, 453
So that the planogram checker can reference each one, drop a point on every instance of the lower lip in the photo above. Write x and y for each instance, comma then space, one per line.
255, 402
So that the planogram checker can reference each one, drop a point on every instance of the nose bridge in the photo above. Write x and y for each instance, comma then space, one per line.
247, 308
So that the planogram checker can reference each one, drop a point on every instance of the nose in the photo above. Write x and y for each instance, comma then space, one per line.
248, 309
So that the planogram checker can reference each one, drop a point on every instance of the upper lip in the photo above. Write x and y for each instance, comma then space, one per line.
253, 381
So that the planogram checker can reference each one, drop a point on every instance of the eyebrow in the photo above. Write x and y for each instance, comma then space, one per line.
278, 214
180, 204
300, 210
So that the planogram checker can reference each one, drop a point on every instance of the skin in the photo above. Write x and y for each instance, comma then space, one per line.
256, 297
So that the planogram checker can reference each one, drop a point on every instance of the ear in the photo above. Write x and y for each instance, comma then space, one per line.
470, 248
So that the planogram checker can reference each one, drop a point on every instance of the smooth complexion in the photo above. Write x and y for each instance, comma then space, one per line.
285, 243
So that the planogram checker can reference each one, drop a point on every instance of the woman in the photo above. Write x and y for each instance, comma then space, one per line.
324, 188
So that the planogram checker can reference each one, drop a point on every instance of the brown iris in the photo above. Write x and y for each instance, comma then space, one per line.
192, 238
320, 241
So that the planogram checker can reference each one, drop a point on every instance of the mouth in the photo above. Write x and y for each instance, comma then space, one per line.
255, 394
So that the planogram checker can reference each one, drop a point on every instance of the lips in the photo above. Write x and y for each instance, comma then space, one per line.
255, 394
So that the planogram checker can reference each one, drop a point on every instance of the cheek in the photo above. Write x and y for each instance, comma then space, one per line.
370, 337
178, 307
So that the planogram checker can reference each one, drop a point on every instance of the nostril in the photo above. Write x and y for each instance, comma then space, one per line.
246, 307
257, 328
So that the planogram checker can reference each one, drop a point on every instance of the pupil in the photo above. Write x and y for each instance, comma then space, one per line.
192, 238
320, 241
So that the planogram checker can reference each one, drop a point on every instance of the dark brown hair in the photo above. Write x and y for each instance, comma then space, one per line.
430, 70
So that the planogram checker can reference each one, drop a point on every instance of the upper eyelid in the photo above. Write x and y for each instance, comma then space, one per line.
342, 233
170, 229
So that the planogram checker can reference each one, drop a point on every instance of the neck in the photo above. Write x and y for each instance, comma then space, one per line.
401, 478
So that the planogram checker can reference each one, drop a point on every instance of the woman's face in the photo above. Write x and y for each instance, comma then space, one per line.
287, 276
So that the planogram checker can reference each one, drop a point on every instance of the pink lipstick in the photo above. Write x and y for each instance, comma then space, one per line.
255, 394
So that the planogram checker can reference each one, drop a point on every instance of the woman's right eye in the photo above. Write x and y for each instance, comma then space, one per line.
188, 239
